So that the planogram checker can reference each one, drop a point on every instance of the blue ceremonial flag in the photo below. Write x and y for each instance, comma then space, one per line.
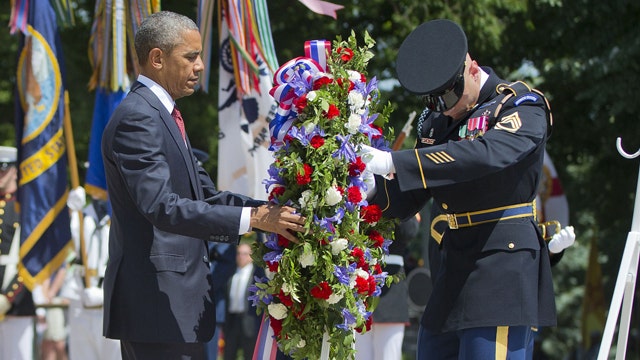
45, 236
106, 102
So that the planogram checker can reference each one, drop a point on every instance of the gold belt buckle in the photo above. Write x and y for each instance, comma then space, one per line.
452, 221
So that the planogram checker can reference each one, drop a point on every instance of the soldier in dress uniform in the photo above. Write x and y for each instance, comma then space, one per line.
17, 310
479, 154
86, 299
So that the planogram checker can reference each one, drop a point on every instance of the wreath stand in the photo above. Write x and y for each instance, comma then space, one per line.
626, 283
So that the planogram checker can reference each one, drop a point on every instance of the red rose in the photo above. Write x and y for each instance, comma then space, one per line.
276, 192
372, 285
371, 214
273, 266
332, 112
287, 139
317, 141
300, 103
346, 54
367, 325
357, 253
276, 325
283, 241
357, 167
341, 82
354, 194
377, 268
318, 83
304, 177
376, 238
374, 126
285, 299
362, 285
363, 78
321, 291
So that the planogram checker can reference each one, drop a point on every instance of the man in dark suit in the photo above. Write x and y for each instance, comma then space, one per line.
158, 291
241, 321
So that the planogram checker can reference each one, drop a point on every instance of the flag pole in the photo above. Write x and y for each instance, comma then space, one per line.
75, 181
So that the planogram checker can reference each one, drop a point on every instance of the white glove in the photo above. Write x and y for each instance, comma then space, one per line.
92, 297
562, 240
77, 198
370, 181
378, 162
5, 305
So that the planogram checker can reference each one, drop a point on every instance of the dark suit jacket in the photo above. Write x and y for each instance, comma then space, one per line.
165, 209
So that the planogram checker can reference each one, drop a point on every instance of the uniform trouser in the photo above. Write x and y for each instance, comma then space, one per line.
382, 342
86, 341
16, 338
500, 343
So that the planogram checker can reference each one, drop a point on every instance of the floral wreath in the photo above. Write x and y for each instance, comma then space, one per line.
328, 285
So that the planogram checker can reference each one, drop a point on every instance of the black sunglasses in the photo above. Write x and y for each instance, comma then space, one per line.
446, 99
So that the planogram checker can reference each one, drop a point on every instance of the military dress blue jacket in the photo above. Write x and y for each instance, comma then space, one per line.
493, 273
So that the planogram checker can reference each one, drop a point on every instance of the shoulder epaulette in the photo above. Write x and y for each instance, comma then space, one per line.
515, 90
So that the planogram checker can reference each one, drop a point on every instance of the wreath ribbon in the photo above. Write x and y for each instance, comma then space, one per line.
292, 80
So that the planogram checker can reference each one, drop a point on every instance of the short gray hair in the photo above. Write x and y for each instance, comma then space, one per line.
162, 30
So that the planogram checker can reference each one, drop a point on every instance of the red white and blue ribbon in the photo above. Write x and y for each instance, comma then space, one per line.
292, 80
266, 347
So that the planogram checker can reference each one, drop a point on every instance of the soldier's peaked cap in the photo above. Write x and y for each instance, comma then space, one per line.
431, 57
8, 154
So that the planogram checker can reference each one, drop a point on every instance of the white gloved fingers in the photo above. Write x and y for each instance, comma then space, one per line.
562, 240
77, 198
370, 182
5, 305
378, 162
92, 297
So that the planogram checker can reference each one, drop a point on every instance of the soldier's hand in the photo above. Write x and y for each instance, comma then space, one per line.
378, 162
5, 305
562, 240
77, 198
277, 219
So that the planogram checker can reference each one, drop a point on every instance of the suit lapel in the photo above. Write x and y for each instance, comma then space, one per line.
170, 124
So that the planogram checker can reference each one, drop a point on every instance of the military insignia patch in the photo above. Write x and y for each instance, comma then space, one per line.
510, 123
427, 141
440, 157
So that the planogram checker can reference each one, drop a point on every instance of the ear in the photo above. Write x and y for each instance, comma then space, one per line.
156, 58
474, 69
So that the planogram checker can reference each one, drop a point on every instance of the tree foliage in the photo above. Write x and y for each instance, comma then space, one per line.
586, 52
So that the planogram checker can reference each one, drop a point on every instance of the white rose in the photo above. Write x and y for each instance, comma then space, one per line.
356, 100
269, 274
307, 198
353, 123
361, 273
286, 288
307, 259
354, 76
301, 344
311, 95
333, 196
334, 298
277, 311
338, 245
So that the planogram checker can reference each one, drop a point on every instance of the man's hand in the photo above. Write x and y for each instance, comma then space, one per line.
378, 162
562, 240
5, 305
278, 219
